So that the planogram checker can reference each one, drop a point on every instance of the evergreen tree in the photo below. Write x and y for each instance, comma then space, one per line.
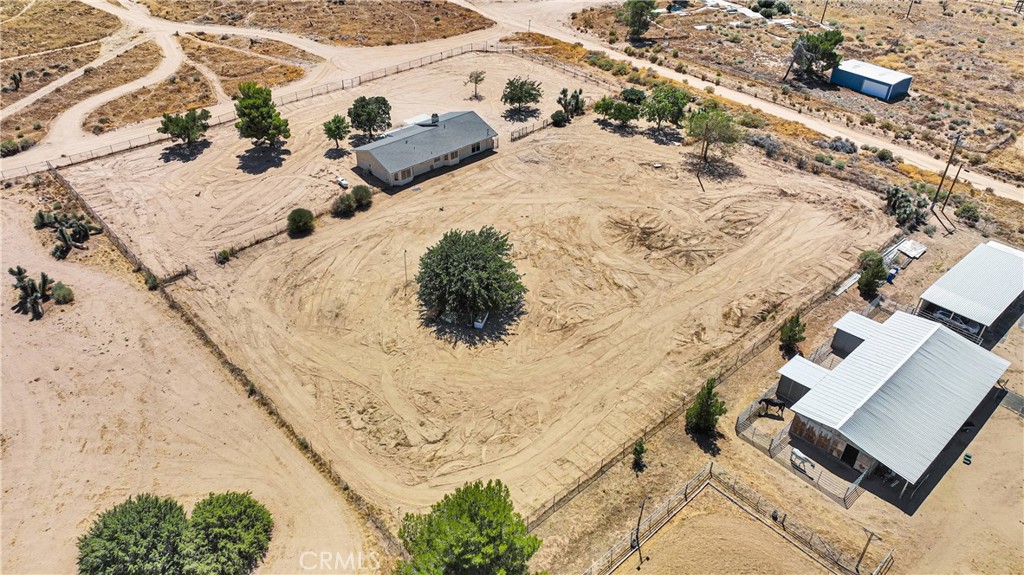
792, 333
189, 127
258, 118
702, 416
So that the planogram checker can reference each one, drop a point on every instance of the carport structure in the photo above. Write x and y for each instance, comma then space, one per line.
977, 291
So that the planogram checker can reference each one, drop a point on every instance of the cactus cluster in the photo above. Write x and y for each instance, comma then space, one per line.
72, 230
31, 294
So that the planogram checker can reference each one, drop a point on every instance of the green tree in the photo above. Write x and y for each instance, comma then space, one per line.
344, 205
370, 115
189, 127
617, 110
300, 222
258, 118
638, 15
702, 416
521, 91
666, 103
792, 333
470, 272
141, 535
476, 77
639, 450
473, 531
337, 129
968, 211
714, 129
815, 53
363, 196
228, 534
872, 274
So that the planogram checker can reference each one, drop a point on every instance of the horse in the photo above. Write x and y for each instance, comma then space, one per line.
768, 402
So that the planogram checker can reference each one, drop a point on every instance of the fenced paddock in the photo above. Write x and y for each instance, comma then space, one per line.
790, 530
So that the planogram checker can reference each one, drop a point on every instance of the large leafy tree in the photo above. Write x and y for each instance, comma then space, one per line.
337, 129
702, 416
519, 92
617, 110
714, 129
792, 333
370, 115
469, 272
141, 535
258, 118
638, 15
228, 534
872, 273
473, 531
666, 103
189, 127
815, 53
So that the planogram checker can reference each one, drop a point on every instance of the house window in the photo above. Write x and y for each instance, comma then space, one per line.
455, 154
446, 157
475, 148
406, 173
437, 159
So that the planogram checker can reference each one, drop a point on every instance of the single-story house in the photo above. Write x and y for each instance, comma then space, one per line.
977, 291
444, 140
867, 78
897, 399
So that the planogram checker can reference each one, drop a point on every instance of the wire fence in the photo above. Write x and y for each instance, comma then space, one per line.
281, 100
521, 133
791, 529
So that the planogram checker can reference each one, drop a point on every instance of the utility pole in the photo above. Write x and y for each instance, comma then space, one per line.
405, 261
822, 21
909, 8
640, 552
529, 25
862, 553
935, 198
950, 191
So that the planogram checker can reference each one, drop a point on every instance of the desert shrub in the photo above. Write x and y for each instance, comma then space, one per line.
823, 159
363, 196
838, 144
840, 165
929, 230
909, 209
884, 155
9, 148
867, 118
300, 222
887, 125
968, 212
62, 294
228, 534
222, 257
749, 120
344, 206
151, 282
770, 146
559, 119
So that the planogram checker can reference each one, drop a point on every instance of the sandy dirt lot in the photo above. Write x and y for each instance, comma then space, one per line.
99, 404
715, 535
618, 256
176, 213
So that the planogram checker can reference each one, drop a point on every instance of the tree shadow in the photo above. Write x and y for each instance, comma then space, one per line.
298, 235
665, 136
622, 130
707, 442
814, 82
497, 328
716, 168
182, 152
337, 153
477, 98
259, 159
521, 114
357, 140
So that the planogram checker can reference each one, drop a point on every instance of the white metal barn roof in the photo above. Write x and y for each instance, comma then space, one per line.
877, 73
903, 393
803, 371
982, 285
857, 325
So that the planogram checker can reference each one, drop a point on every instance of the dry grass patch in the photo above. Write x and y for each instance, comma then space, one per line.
356, 23
52, 24
184, 90
11, 8
233, 67
33, 122
263, 47
39, 70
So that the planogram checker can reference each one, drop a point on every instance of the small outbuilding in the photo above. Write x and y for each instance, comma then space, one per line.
852, 330
442, 140
867, 78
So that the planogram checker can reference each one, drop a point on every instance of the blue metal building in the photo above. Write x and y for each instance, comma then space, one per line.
882, 83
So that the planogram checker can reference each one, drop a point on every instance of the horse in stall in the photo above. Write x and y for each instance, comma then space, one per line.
771, 402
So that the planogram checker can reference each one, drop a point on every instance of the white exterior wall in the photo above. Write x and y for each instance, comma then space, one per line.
366, 161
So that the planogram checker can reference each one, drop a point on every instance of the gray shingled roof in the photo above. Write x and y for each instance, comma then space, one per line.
411, 145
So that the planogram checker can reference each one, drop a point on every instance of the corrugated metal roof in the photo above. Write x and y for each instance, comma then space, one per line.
903, 393
982, 285
412, 145
803, 371
857, 325
873, 72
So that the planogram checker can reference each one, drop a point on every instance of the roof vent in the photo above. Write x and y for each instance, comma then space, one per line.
434, 119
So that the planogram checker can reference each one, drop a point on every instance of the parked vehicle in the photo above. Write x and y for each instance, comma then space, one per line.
961, 323
343, 183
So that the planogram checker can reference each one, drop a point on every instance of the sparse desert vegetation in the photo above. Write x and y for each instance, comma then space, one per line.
236, 66
186, 89
39, 70
44, 25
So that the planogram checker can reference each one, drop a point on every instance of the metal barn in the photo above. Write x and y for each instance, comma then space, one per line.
882, 83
